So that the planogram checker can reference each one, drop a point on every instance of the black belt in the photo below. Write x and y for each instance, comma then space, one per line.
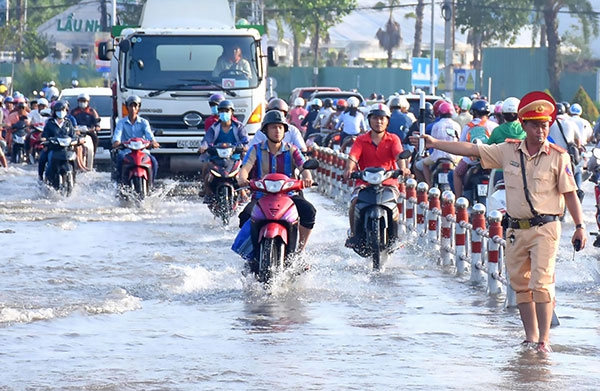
528, 223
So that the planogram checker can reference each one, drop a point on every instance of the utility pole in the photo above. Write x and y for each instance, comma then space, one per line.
103, 16
448, 15
432, 70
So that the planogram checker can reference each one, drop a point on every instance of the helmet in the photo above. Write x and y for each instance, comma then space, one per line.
560, 109
316, 102
341, 104
51, 83
298, 101
273, 117
9, 99
19, 99
428, 108
436, 106
379, 109
464, 103
215, 99
133, 99
278, 104
43, 102
480, 107
498, 107
575, 109
226, 105
75, 83
353, 101
327, 102
445, 108
510, 105
83, 96
58, 106
567, 105
394, 102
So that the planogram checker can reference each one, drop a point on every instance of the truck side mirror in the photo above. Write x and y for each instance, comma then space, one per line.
125, 45
106, 50
272, 56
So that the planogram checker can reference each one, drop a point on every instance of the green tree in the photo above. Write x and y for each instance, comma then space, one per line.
390, 38
284, 12
35, 46
589, 110
588, 19
490, 22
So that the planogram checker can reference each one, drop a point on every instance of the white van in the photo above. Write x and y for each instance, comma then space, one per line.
100, 100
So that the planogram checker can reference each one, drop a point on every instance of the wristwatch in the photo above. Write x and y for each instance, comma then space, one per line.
579, 226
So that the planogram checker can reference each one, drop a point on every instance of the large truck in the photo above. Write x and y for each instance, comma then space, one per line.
170, 62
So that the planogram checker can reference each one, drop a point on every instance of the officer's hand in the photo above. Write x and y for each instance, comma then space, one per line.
242, 182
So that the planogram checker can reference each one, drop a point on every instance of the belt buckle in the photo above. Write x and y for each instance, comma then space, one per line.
524, 224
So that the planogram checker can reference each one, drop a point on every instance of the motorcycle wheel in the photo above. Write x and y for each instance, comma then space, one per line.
224, 205
17, 157
140, 187
270, 259
374, 240
66, 183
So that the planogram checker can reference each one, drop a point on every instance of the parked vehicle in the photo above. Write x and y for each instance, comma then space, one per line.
306, 92
274, 223
225, 162
62, 160
376, 215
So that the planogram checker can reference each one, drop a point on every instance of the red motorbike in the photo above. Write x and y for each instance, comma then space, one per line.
136, 175
35, 143
274, 223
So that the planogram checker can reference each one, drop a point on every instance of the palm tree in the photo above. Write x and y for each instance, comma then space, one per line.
582, 9
419, 14
391, 37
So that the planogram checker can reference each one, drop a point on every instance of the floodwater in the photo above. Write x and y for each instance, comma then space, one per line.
97, 296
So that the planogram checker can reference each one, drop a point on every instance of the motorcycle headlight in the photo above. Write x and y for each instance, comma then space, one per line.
274, 186
224, 153
233, 173
64, 141
375, 178
215, 174
136, 145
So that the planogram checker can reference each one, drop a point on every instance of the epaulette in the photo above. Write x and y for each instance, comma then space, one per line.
557, 147
513, 140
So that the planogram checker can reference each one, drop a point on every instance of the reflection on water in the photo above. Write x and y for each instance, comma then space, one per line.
530, 370
273, 314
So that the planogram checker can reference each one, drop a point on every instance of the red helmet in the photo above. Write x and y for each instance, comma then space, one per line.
436, 107
444, 108
341, 104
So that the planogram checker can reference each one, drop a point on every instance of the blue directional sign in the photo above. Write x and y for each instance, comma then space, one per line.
421, 72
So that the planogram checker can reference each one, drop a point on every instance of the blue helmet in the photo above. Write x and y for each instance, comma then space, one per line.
480, 107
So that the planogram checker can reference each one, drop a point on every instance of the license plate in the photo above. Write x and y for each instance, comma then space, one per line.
188, 144
482, 190
443, 178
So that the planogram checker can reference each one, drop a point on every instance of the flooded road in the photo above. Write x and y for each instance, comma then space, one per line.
103, 297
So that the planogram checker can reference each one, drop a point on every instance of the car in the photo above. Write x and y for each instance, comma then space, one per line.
415, 100
334, 95
306, 92
100, 100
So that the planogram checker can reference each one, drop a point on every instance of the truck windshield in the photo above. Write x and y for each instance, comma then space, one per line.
171, 62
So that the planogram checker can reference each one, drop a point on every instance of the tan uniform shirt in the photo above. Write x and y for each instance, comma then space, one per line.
548, 176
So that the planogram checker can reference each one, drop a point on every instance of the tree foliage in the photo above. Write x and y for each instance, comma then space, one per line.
589, 110
488, 22
391, 37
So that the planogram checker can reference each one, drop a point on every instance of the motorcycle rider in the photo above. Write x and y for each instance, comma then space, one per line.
297, 114
88, 117
352, 121
464, 106
564, 131
340, 106
277, 156
213, 103
293, 134
399, 121
376, 148
445, 129
511, 127
226, 130
133, 126
56, 126
320, 123
308, 121
478, 130
584, 127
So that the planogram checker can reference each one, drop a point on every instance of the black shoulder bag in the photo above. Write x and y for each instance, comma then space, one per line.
572, 148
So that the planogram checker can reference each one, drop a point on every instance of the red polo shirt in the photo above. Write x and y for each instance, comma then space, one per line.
367, 154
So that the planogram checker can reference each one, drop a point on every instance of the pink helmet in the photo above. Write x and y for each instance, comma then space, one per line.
445, 108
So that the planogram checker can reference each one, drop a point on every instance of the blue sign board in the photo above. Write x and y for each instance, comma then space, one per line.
421, 72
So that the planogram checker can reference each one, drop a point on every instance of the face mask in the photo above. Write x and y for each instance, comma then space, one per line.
225, 117
214, 110
82, 105
61, 114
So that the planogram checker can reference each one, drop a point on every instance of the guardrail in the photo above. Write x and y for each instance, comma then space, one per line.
465, 238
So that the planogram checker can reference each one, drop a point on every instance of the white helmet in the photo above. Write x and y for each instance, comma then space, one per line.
316, 102
353, 101
575, 109
511, 105
43, 102
298, 101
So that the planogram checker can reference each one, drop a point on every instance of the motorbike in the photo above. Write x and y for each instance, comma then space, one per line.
62, 160
595, 178
476, 184
376, 215
440, 173
274, 223
86, 154
136, 175
19, 135
224, 164
35, 144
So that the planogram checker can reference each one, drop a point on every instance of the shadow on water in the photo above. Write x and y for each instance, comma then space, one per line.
268, 314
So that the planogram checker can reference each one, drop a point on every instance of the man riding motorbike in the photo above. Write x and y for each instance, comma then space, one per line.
276, 156
56, 126
376, 148
88, 117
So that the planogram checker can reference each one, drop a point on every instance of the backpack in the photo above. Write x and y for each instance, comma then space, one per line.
477, 133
